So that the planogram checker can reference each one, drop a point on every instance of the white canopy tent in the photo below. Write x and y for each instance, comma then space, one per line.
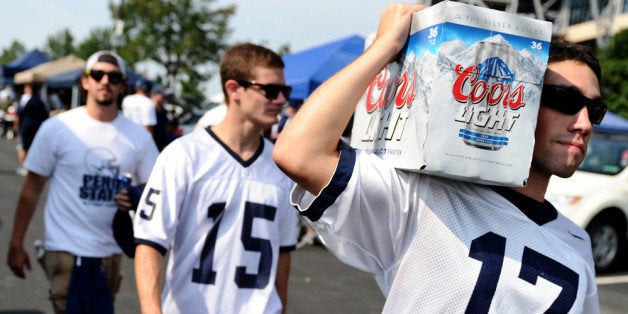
39, 73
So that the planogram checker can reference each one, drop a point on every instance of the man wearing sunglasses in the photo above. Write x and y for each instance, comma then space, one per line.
82, 151
218, 201
442, 245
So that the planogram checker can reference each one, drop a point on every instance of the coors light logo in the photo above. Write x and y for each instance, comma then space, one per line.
490, 98
388, 89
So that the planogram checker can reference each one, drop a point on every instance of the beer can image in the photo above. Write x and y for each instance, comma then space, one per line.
123, 181
490, 95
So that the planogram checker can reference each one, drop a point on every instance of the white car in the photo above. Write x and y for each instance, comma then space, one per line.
596, 198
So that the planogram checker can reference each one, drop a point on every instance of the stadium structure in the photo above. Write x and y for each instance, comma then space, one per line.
591, 22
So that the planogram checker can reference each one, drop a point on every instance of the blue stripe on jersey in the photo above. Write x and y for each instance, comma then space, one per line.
337, 184
152, 244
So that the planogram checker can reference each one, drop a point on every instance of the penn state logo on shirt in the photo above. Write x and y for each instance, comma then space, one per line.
99, 182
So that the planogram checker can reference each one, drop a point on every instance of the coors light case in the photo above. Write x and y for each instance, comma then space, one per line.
463, 97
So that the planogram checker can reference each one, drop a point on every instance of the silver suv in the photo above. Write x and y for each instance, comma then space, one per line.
596, 198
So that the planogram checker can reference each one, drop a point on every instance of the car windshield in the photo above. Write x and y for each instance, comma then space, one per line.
607, 154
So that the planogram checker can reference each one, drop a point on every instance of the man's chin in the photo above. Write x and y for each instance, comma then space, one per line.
106, 103
566, 172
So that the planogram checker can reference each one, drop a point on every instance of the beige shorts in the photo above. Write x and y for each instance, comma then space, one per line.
58, 268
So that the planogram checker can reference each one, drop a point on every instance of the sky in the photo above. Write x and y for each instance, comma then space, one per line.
302, 24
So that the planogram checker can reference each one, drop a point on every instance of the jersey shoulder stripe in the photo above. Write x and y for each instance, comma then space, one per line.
336, 186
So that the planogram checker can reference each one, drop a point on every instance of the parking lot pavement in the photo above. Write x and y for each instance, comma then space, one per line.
318, 281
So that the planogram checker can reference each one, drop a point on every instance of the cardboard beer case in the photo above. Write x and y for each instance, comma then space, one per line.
462, 99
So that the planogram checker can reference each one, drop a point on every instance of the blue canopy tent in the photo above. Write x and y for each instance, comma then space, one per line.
612, 123
24, 62
308, 69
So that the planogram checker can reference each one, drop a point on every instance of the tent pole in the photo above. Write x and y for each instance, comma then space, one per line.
75, 97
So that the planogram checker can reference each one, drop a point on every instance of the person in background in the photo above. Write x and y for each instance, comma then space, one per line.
83, 152
219, 203
289, 110
10, 115
173, 130
55, 104
31, 113
138, 107
7, 103
442, 245
160, 132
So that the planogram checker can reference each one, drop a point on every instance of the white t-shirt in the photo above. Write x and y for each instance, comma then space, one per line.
439, 245
82, 157
24, 99
226, 221
139, 109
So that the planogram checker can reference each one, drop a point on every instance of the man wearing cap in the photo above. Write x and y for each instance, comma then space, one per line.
83, 151
138, 107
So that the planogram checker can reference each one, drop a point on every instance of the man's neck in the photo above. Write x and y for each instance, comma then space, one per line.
536, 185
242, 138
101, 113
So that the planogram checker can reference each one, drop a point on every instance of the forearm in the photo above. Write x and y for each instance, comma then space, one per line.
306, 148
328, 110
308, 144
283, 274
26, 207
148, 278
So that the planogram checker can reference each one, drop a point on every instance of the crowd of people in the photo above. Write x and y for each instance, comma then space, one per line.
221, 200
23, 110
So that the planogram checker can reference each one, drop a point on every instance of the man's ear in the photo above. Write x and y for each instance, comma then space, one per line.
232, 86
84, 82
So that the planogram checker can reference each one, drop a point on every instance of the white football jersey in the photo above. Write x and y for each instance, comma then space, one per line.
224, 219
438, 245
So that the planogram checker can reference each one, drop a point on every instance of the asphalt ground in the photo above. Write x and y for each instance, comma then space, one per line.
319, 283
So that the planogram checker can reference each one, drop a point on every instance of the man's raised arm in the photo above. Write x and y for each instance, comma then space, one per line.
306, 149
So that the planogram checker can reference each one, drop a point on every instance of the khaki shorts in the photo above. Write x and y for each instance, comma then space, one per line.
58, 267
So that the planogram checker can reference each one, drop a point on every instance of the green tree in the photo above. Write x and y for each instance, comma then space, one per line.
184, 36
9, 54
614, 59
59, 45
98, 39
284, 50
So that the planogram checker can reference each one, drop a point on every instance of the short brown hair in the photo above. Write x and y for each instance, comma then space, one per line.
564, 51
240, 60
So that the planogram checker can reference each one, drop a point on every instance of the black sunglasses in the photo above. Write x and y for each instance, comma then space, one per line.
569, 100
115, 78
271, 91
